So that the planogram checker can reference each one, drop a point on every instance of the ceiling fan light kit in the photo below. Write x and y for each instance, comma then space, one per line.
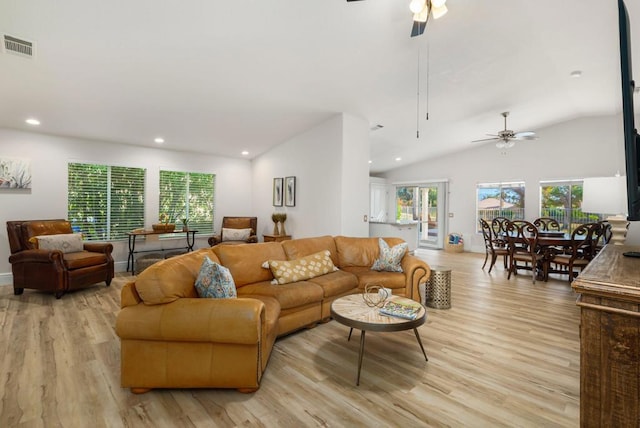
421, 10
505, 139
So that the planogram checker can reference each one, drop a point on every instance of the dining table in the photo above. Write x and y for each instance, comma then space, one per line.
548, 243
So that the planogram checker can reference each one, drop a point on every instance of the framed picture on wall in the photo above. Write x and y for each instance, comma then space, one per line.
277, 192
290, 191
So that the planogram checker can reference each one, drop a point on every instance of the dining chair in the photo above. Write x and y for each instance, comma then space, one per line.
523, 249
546, 223
580, 251
494, 246
499, 226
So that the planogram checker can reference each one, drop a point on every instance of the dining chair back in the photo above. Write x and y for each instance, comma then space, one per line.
579, 252
494, 246
523, 249
546, 223
499, 226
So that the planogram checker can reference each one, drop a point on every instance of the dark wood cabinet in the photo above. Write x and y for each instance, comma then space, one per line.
609, 299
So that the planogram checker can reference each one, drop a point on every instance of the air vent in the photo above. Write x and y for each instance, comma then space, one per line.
16, 46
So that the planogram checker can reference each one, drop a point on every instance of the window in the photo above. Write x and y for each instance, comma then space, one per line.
105, 202
188, 195
499, 200
562, 200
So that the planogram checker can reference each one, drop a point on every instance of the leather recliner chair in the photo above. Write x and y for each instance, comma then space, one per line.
236, 223
53, 270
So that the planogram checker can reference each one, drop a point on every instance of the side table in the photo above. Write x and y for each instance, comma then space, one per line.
276, 238
438, 288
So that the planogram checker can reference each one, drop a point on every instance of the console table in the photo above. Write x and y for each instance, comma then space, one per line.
190, 234
609, 303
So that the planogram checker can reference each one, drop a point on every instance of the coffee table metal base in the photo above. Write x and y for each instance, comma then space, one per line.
361, 353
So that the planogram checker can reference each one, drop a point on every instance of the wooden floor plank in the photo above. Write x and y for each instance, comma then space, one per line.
505, 354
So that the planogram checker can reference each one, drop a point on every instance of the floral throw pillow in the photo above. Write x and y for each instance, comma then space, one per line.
390, 258
215, 281
235, 234
65, 242
308, 267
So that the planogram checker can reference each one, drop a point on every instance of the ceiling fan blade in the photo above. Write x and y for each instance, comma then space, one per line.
525, 135
487, 139
418, 28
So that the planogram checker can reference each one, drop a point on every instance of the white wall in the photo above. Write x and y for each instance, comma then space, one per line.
586, 147
47, 197
331, 196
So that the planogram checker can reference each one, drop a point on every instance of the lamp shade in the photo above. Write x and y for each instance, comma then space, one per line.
604, 195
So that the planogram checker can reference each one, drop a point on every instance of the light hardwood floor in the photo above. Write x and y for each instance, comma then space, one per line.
505, 354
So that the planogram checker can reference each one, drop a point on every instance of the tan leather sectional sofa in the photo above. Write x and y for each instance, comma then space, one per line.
170, 338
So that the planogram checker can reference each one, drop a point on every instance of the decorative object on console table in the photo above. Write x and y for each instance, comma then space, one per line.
608, 195
290, 192
274, 218
283, 218
164, 225
276, 238
277, 192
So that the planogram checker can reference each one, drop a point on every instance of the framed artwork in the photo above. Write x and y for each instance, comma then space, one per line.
277, 191
15, 173
290, 191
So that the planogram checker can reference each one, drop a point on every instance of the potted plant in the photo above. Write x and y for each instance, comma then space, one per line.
185, 224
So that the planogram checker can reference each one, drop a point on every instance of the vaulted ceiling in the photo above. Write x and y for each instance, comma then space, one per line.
219, 77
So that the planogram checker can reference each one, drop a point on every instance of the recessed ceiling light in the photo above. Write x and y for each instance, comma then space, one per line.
398, 159
159, 140
32, 121
575, 74
244, 153
370, 161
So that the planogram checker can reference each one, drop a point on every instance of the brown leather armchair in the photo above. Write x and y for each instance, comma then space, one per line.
236, 223
53, 270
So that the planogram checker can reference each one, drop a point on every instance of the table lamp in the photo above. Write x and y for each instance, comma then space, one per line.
608, 195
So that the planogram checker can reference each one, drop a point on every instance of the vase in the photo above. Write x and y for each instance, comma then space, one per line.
282, 231
275, 228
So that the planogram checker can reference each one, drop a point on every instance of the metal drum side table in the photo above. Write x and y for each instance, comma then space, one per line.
438, 288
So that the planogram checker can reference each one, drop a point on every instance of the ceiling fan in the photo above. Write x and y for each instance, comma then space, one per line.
422, 10
505, 139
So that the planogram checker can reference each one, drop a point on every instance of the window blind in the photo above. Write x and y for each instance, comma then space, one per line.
188, 195
105, 202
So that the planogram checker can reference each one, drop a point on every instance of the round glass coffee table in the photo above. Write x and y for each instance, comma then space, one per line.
353, 312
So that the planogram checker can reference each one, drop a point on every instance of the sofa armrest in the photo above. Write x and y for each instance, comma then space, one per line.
106, 248
416, 271
237, 321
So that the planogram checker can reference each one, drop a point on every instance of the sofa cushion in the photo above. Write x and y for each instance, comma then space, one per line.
360, 251
366, 276
336, 283
390, 257
171, 279
289, 296
286, 271
298, 248
245, 260
235, 234
215, 281
65, 242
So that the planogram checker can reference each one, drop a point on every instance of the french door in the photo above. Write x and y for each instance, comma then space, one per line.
424, 204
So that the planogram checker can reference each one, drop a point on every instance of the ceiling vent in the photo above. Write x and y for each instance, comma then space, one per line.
16, 46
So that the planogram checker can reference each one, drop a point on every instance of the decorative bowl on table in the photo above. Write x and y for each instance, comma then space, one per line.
163, 227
